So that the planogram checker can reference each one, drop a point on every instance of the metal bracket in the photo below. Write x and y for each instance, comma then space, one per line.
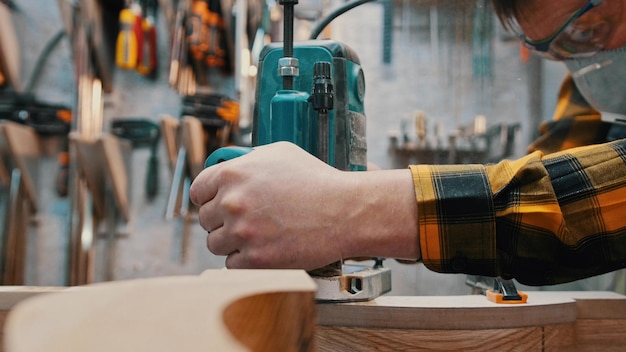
497, 290
356, 283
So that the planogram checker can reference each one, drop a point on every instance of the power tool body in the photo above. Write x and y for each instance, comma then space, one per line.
311, 93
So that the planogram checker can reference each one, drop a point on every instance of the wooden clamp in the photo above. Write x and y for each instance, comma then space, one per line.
102, 163
20, 146
19, 161
184, 142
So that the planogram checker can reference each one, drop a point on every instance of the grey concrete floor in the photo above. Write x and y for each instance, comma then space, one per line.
430, 71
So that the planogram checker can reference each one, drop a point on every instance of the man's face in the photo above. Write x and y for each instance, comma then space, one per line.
540, 19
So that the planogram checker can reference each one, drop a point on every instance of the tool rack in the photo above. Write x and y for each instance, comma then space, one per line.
468, 145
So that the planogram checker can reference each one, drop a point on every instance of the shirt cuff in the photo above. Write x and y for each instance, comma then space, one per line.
456, 218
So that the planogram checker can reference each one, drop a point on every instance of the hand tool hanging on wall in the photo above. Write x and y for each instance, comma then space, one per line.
128, 51
126, 46
142, 133
147, 60
205, 38
44, 118
181, 76
197, 38
219, 116
216, 55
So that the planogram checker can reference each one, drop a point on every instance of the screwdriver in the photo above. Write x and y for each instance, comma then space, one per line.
126, 46
147, 64
138, 29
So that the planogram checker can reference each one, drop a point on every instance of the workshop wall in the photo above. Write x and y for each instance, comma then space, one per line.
154, 246
427, 72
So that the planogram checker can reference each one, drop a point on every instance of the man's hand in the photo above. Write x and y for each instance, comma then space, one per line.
280, 207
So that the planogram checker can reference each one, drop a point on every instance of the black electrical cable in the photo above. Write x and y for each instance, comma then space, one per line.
10, 4
336, 13
43, 57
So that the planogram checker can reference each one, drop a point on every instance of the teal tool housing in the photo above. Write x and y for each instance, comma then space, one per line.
336, 135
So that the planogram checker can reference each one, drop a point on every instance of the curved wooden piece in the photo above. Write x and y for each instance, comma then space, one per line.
549, 321
220, 310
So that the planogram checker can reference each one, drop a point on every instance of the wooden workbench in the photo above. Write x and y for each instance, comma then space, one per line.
549, 321
274, 310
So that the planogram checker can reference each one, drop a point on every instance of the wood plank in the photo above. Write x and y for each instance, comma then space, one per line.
254, 304
105, 160
559, 337
192, 138
10, 296
220, 310
116, 152
601, 334
334, 339
5, 179
470, 312
578, 321
169, 131
89, 163
20, 145
20, 150
14, 250
600, 305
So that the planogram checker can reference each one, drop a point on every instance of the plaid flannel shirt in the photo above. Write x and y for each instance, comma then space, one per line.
549, 217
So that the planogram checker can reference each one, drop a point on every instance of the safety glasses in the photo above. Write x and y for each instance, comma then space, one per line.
578, 37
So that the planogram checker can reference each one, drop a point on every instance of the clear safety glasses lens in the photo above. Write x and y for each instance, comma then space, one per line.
582, 35
576, 41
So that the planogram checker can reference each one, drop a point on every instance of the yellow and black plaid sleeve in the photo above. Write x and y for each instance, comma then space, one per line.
540, 219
